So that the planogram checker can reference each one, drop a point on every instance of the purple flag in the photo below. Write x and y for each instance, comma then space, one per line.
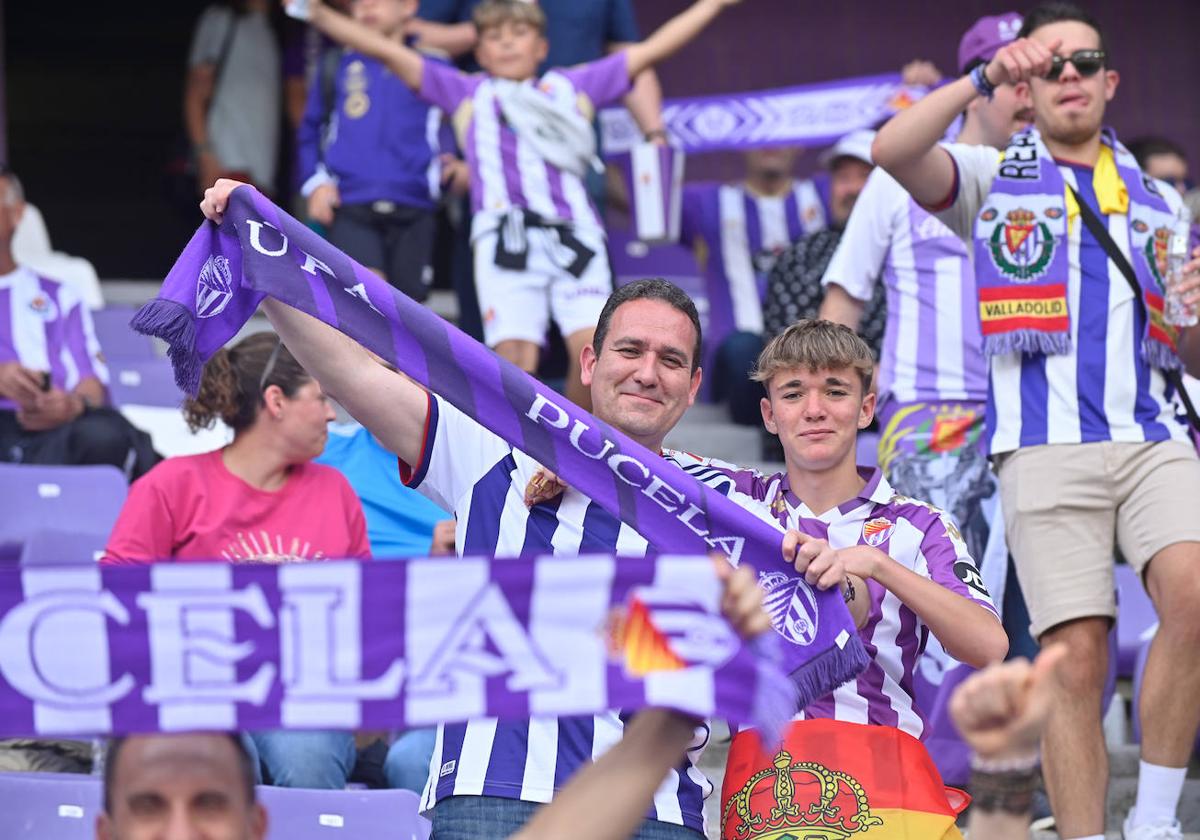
344, 645
258, 250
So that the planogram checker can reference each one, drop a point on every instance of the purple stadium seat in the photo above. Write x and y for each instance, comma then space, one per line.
38, 498
117, 339
146, 382
1135, 618
48, 806
56, 547
298, 814
868, 449
633, 260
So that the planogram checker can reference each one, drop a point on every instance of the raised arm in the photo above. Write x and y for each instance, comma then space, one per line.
391, 406
405, 62
673, 35
454, 39
838, 306
907, 145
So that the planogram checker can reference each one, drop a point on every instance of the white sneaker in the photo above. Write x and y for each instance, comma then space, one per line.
1156, 831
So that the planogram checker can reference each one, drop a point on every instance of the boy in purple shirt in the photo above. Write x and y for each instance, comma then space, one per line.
537, 239
368, 157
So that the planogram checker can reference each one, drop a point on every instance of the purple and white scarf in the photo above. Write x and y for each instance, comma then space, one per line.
1021, 252
258, 250
168, 647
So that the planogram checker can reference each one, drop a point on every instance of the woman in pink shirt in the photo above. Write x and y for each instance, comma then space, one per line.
261, 500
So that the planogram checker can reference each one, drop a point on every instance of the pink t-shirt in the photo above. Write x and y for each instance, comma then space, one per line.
194, 508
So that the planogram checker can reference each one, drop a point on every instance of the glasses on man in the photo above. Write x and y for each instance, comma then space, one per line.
1086, 62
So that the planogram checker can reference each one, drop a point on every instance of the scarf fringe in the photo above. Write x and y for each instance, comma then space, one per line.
176, 325
1029, 342
811, 682
1159, 354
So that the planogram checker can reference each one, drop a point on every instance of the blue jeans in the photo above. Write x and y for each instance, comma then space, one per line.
407, 762
305, 759
493, 818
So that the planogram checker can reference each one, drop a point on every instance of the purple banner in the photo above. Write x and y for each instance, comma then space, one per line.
346, 645
805, 115
258, 250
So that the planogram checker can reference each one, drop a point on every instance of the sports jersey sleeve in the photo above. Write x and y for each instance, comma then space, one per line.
858, 260
975, 168
208, 39
456, 452
603, 81
949, 564
80, 343
446, 86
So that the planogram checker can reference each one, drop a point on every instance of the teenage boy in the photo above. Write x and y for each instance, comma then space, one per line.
537, 239
1081, 416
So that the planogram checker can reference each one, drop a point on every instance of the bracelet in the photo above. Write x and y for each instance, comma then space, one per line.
983, 85
653, 133
849, 592
1010, 792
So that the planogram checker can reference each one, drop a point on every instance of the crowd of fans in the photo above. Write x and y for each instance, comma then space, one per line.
895, 290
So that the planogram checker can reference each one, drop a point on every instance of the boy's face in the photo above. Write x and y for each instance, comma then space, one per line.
511, 50
386, 16
817, 415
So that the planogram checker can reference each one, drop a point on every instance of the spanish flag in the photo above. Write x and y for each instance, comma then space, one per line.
836, 780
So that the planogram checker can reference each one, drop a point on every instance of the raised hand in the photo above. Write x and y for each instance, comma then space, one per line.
216, 199
20, 384
821, 565
1002, 710
1020, 61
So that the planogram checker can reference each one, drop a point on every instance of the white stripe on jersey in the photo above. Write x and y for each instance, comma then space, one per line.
772, 221
737, 261
908, 320
433, 172
949, 292
476, 751
811, 210
535, 183
490, 165
541, 757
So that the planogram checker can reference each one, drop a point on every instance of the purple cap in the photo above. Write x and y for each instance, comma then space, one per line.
985, 38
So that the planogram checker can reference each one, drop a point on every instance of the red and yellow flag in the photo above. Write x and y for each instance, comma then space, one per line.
836, 780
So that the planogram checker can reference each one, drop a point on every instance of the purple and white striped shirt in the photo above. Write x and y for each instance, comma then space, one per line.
45, 326
469, 470
740, 234
915, 534
932, 350
506, 172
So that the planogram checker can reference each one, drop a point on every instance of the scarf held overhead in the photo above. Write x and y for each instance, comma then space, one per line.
1022, 259
258, 250
346, 644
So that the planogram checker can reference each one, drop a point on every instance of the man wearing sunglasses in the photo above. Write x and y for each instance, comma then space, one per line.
1082, 424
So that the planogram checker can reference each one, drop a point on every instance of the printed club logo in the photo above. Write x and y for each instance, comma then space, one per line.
1156, 254
214, 287
43, 307
876, 531
792, 606
1021, 246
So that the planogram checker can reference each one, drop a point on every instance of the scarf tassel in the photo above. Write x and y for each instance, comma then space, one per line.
1029, 342
1159, 354
176, 325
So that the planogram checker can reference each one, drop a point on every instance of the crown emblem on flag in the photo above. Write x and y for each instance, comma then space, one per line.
799, 800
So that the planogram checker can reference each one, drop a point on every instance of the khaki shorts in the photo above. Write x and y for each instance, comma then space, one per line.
1064, 503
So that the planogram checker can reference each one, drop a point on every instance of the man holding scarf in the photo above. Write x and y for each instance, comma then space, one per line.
1081, 418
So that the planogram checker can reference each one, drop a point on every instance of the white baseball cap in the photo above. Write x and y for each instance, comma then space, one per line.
856, 144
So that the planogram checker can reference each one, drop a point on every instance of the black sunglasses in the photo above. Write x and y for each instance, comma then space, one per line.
1087, 63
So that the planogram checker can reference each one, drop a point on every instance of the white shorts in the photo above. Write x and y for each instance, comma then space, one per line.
518, 305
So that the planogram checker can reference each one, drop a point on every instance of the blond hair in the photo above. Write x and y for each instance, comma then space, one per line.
492, 13
816, 345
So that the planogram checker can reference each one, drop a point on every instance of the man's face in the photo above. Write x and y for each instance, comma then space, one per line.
512, 50
817, 415
1010, 110
1170, 168
772, 162
180, 787
10, 214
642, 381
846, 180
386, 16
1070, 109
